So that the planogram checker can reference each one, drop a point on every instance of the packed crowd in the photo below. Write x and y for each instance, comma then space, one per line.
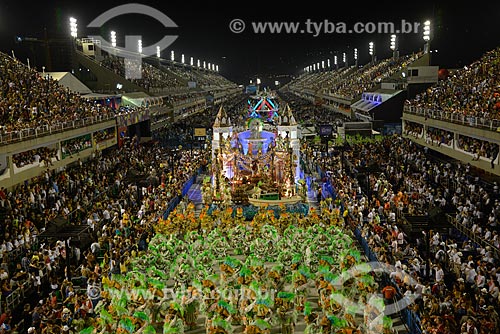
103, 135
75, 145
413, 129
181, 131
319, 81
306, 113
27, 100
119, 209
182, 98
437, 137
163, 76
153, 77
366, 78
460, 287
202, 78
150, 76
37, 155
479, 148
121, 195
472, 91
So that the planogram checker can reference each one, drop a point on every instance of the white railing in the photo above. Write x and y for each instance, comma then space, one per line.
455, 117
45, 130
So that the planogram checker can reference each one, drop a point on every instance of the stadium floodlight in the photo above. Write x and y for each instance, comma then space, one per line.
335, 60
73, 27
139, 46
317, 66
204, 65
344, 57
172, 55
427, 36
182, 58
393, 42
198, 63
371, 48
213, 67
355, 54
258, 81
427, 31
314, 67
158, 51
191, 61
322, 64
328, 62
113, 39
209, 66
216, 68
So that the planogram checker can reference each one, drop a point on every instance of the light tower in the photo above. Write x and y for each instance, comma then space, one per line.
73, 27
394, 48
113, 39
356, 57
371, 50
427, 36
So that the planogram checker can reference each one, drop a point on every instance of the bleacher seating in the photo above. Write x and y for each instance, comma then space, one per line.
471, 93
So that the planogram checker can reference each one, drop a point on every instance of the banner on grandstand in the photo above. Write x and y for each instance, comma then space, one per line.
133, 117
200, 132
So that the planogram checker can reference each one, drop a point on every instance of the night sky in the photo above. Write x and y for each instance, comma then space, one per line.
461, 33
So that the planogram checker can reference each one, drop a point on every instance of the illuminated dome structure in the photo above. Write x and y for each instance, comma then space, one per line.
259, 164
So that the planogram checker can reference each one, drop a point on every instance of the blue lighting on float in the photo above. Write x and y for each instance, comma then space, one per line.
266, 138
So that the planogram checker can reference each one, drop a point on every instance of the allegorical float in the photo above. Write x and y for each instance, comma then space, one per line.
257, 162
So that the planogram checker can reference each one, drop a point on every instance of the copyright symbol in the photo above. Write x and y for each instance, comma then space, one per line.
237, 26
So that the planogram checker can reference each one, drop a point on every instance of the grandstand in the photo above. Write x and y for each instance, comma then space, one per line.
108, 200
368, 77
466, 105
373, 92
160, 77
470, 94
